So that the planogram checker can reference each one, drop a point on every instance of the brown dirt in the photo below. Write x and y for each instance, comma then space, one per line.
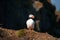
29, 35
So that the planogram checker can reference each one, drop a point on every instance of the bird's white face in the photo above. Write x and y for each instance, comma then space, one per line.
31, 16
37, 5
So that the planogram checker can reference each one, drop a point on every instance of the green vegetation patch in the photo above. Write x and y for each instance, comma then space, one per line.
20, 33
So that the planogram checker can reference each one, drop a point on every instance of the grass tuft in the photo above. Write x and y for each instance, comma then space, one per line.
20, 33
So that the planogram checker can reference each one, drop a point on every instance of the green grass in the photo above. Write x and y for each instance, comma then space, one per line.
20, 33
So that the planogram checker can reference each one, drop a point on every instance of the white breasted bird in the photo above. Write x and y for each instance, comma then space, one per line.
30, 22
